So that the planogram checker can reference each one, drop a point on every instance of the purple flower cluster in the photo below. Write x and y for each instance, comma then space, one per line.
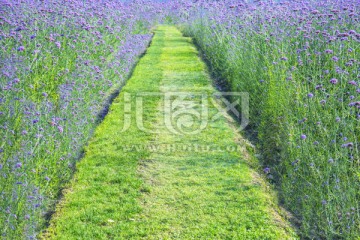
307, 54
57, 63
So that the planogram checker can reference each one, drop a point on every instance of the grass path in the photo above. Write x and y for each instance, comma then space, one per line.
162, 185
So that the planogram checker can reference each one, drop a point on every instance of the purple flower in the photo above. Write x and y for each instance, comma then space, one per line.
318, 87
347, 145
323, 202
314, 12
352, 32
323, 101
61, 129
44, 94
316, 143
335, 59
58, 44
310, 95
349, 64
18, 165
333, 81
21, 48
47, 178
343, 35
354, 104
352, 83
337, 119
32, 36
303, 136
329, 51
267, 170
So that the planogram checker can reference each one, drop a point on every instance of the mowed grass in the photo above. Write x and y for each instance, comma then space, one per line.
143, 185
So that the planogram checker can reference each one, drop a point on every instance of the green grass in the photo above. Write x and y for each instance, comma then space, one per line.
123, 189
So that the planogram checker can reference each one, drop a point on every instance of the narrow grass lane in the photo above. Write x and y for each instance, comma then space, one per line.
170, 181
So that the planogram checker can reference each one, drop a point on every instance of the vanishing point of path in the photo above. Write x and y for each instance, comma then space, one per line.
150, 173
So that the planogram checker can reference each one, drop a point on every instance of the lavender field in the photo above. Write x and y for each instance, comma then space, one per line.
300, 62
60, 61
63, 62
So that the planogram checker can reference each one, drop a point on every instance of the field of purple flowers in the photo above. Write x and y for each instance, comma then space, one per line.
60, 61
300, 62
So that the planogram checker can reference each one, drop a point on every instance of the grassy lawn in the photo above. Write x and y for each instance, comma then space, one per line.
160, 184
